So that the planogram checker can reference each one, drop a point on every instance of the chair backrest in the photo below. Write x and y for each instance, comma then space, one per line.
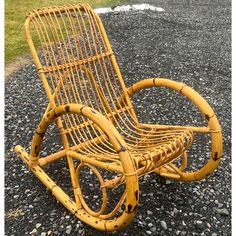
75, 60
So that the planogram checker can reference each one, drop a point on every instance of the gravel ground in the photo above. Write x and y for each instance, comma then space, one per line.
189, 42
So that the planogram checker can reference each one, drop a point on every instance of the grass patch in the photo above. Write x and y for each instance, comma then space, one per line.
15, 13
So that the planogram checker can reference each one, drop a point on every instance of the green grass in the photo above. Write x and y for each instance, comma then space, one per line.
15, 13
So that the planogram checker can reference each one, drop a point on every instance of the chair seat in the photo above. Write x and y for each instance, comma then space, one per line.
161, 146
151, 146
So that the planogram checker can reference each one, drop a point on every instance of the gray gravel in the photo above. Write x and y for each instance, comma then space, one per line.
189, 42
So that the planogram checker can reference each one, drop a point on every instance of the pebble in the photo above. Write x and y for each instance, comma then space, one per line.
43, 234
208, 225
150, 225
44, 154
175, 210
149, 212
34, 231
37, 199
153, 229
163, 225
68, 229
199, 224
223, 211
37, 225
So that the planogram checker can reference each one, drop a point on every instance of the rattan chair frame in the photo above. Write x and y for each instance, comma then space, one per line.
97, 122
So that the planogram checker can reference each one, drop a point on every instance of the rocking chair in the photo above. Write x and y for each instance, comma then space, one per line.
97, 122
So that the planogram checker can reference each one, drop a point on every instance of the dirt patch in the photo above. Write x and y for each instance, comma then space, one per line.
18, 63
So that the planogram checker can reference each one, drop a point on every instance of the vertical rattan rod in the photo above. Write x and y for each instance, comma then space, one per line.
116, 67
37, 62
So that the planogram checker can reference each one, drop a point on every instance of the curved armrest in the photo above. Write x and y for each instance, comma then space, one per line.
213, 128
105, 125
119, 145
183, 89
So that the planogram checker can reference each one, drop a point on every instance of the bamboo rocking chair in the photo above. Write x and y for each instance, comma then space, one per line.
97, 123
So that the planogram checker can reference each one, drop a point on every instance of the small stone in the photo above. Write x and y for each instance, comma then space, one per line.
175, 211
150, 225
208, 225
37, 199
146, 177
149, 212
153, 229
43, 234
183, 233
214, 234
148, 232
140, 222
163, 225
223, 211
44, 154
34, 231
199, 224
68, 229
37, 225
49, 232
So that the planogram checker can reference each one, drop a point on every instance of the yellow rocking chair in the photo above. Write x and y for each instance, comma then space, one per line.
97, 123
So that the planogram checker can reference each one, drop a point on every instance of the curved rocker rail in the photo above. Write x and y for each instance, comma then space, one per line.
131, 180
213, 128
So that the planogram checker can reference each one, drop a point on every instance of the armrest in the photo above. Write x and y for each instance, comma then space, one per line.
154, 82
105, 125
213, 128
183, 89
119, 145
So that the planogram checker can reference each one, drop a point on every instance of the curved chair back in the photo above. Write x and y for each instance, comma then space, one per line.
76, 62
